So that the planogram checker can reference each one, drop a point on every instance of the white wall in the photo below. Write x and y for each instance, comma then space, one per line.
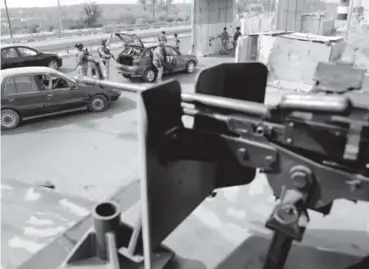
210, 16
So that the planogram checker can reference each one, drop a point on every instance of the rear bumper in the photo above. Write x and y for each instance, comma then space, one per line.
130, 70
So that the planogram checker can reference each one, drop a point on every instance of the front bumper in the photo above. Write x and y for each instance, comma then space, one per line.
115, 96
130, 70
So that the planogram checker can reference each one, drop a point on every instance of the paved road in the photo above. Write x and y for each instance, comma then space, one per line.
82, 153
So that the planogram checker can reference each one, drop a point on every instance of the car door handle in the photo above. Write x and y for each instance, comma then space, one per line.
11, 99
49, 96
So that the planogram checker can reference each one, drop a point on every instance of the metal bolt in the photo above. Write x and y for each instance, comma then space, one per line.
300, 179
269, 160
243, 153
260, 130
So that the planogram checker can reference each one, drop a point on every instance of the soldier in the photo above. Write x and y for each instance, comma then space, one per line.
105, 56
236, 35
224, 36
159, 61
176, 39
163, 38
82, 62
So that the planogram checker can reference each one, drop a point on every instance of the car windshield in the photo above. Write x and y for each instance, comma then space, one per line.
132, 40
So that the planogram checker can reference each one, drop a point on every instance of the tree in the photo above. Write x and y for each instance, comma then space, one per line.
143, 3
91, 12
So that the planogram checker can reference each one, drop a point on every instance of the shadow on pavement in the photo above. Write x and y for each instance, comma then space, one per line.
251, 254
79, 118
182, 263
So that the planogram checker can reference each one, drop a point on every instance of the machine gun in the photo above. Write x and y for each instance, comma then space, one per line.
314, 149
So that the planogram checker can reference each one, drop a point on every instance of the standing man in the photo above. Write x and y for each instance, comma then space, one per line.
159, 61
177, 41
163, 38
224, 36
82, 61
105, 56
237, 34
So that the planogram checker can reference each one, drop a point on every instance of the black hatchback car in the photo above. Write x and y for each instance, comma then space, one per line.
136, 60
31, 92
13, 56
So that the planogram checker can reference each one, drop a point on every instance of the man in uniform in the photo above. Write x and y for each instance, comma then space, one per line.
82, 62
177, 41
224, 36
105, 56
159, 61
236, 35
163, 38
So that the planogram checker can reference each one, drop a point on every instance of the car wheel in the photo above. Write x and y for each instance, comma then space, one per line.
127, 76
53, 64
98, 103
190, 67
9, 119
149, 75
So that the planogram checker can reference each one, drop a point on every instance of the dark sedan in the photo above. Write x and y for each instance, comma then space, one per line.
136, 60
31, 92
22, 56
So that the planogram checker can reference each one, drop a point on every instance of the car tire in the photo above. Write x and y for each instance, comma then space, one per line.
9, 119
98, 103
53, 64
127, 76
149, 75
190, 67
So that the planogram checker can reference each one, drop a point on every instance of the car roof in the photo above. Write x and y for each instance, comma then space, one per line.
28, 70
5, 46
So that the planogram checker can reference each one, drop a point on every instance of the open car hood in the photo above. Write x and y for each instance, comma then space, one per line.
130, 39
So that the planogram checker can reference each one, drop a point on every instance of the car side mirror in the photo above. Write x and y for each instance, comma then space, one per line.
73, 87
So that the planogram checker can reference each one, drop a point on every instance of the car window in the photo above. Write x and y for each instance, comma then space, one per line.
26, 51
21, 85
53, 82
148, 53
170, 51
10, 88
9, 53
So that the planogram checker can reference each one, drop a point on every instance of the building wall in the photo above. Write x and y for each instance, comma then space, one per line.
289, 14
208, 19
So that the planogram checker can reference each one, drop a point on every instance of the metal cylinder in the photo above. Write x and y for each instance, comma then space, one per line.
343, 10
106, 216
129, 87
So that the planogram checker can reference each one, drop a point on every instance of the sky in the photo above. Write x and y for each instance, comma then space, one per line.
48, 3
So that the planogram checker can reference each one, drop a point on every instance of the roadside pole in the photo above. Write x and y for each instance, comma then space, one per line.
60, 20
349, 18
7, 15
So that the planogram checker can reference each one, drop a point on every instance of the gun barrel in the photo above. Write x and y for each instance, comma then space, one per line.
129, 87
253, 108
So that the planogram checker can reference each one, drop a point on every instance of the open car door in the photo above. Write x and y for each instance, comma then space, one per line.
130, 39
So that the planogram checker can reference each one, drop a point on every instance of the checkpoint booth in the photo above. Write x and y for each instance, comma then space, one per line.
290, 56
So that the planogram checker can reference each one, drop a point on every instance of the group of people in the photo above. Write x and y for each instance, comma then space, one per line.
224, 36
100, 66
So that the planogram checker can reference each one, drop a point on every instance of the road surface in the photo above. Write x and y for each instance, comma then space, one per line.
82, 153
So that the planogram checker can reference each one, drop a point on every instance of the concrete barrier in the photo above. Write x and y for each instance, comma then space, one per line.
257, 24
291, 58
317, 24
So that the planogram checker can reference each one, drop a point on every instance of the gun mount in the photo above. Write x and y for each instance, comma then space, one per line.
314, 149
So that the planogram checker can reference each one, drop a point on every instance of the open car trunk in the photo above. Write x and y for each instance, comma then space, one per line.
133, 48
